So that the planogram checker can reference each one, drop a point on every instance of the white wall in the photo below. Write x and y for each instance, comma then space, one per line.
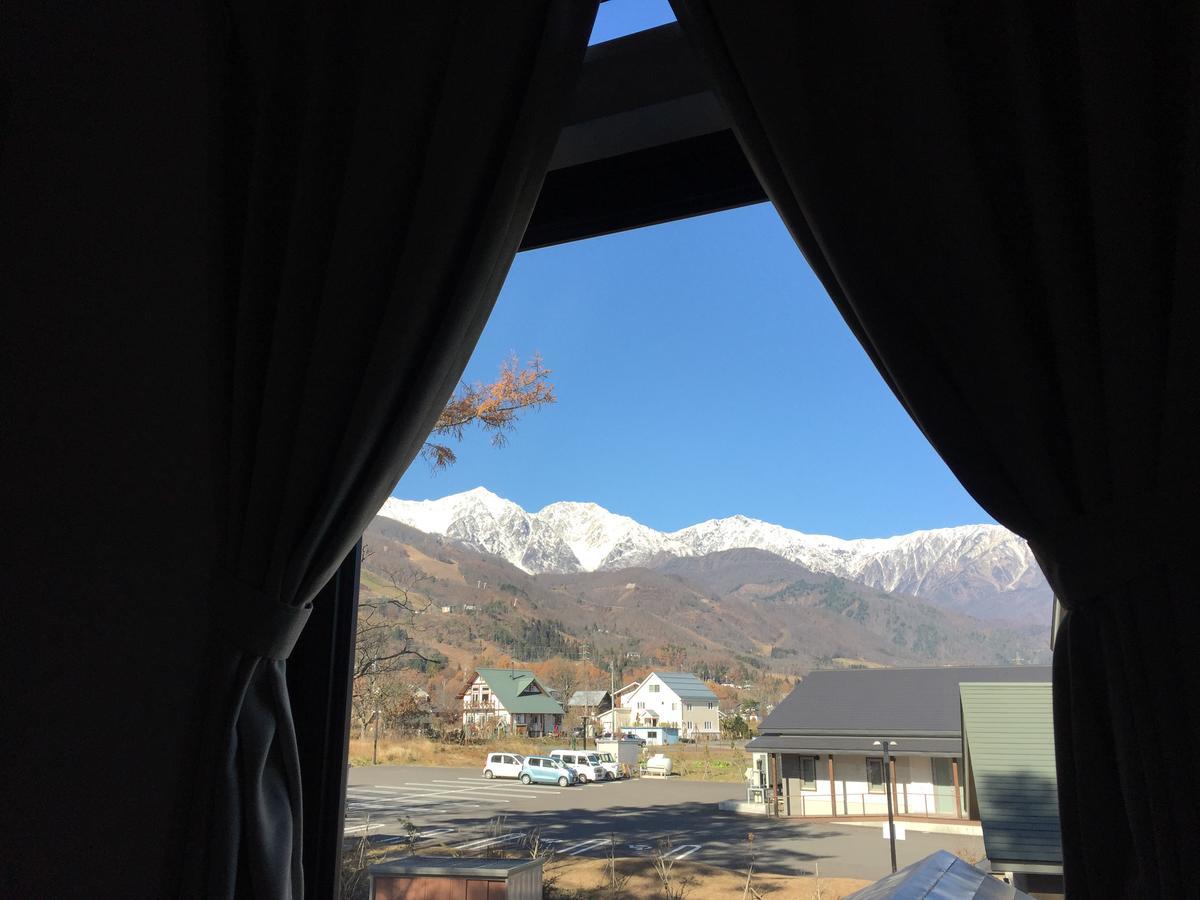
914, 787
478, 711
654, 696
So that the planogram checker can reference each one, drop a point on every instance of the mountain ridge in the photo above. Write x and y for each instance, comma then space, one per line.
982, 570
743, 609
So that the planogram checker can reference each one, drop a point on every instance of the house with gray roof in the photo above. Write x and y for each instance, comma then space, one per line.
1011, 781
816, 753
509, 701
672, 700
590, 702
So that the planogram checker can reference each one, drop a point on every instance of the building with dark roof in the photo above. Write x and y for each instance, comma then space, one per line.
816, 753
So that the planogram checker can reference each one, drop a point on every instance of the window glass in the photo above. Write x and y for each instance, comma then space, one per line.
808, 772
875, 776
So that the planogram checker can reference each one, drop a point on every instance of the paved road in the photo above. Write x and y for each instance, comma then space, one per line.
457, 808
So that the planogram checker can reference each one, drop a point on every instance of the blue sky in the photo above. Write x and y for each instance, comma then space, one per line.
701, 371
620, 17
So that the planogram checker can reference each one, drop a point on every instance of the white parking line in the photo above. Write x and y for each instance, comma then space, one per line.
427, 798
584, 846
365, 826
433, 832
490, 842
490, 788
416, 838
681, 852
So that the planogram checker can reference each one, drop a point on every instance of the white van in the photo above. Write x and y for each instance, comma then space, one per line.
608, 762
503, 765
585, 768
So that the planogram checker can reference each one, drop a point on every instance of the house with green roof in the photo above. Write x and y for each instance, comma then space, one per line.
1011, 781
510, 701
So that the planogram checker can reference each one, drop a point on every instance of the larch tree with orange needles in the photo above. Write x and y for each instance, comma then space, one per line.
494, 407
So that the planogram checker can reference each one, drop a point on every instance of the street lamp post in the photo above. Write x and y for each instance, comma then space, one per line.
887, 789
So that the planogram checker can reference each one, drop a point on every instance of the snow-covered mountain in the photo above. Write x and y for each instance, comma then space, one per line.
965, 567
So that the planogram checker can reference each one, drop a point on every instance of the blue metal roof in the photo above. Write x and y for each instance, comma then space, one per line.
686, 685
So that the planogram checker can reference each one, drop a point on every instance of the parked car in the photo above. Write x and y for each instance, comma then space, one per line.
608, 762
545, 770
503, 765
586, 765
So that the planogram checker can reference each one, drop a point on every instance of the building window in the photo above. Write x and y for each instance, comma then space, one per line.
653, 688
875, 776
808, 773
710, 704
673, 706
641, 705
708, 726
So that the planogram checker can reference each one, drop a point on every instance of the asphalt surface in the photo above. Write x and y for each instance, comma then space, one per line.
438, 809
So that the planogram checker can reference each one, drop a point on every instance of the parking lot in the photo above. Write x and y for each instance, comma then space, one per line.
442, 809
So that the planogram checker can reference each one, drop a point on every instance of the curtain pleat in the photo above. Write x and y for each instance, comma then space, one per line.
1003, 201
373, 166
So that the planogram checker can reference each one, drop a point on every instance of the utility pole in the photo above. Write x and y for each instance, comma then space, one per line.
887, 789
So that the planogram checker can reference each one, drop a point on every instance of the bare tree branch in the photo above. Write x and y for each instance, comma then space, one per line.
493, 407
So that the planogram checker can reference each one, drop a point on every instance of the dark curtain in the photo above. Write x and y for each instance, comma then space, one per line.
1003, 201
372, 169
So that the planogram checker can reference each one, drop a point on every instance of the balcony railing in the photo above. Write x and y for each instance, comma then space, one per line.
941, 806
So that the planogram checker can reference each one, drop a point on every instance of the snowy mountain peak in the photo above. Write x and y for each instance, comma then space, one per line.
953, 564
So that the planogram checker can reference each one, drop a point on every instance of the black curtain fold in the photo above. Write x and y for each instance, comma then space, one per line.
372, 168
1003, 200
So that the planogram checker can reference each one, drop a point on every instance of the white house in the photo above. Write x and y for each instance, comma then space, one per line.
509, 700
673, 699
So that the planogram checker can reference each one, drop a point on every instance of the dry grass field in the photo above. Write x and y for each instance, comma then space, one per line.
625, 878
593, 879
715, 761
